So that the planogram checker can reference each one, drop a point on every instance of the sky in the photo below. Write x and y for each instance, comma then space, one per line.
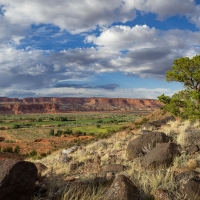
94, 48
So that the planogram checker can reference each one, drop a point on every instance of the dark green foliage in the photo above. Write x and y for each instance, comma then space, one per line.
39, 119
33, 153
51, 132
15, 126
7, 149
98, 126
100, 121
48, 152
61, 118
186, 103
59, 133
16, 150
144, 120
43, 155
68, 131
186, 71
78, 133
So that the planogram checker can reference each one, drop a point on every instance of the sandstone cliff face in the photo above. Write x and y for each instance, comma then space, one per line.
66, 104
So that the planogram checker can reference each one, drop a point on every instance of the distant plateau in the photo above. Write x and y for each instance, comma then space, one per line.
74, 104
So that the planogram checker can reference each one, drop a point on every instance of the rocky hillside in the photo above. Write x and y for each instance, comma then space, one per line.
159, 161
67, 104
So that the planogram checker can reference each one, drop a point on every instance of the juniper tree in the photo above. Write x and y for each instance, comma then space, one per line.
186, 103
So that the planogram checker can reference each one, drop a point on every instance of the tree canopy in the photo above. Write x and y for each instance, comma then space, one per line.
186, 103
187, 71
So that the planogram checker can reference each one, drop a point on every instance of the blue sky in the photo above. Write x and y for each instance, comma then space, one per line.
94, 48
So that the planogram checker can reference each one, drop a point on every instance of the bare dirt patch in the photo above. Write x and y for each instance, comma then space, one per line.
44, 145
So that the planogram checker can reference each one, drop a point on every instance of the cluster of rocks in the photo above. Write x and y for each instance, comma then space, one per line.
155, 150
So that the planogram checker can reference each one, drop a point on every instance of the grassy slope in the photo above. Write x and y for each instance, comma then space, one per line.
146, 181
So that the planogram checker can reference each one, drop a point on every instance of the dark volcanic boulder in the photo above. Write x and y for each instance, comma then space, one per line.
189, 184
122, 188
136, 147
191, 189
163, 121
153, 125
193, 148
17, 180
161, 155
191, 136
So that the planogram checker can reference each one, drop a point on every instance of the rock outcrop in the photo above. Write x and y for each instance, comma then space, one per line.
67, 104
17, 180
161, 155
122, 188
139, 146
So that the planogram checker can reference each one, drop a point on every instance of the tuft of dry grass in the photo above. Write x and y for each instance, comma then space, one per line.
192, 164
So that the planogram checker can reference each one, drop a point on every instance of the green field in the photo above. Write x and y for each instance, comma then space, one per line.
31, 126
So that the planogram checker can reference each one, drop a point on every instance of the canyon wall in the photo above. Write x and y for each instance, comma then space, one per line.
69, 104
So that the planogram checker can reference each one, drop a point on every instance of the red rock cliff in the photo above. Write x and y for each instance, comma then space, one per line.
66, 104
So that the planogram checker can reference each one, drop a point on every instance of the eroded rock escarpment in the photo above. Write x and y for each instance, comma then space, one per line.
69, 104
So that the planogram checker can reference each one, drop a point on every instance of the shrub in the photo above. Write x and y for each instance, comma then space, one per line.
100, 121
16, 150
59, 133
58, 125
68, 131
39, 119
33, 153
51, 132
7, 149
43, 155
78, 133
15, 126
98, 126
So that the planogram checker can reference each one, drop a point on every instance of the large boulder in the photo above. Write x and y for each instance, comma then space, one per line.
17, 180
161, 155
153, 125
190, 136
122, 188
138, 147
189, 184
191, 189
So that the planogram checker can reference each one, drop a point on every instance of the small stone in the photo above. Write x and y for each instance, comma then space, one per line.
74, 166
70, 178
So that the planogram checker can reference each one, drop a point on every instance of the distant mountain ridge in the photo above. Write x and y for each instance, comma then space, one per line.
70, 104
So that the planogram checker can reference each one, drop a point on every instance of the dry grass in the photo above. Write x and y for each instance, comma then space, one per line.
148, 181
192, 164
